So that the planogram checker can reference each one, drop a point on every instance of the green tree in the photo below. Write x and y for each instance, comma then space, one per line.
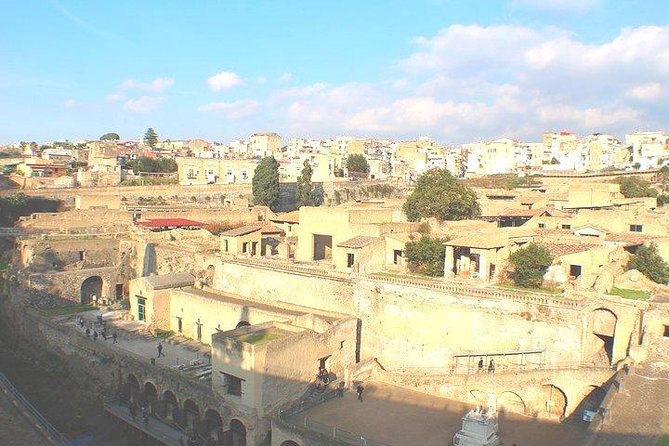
151, 138
306, 194
426, 256
357, 163
634, 187
438, 194
266, 183
144, 164
110, 137
530, 265
649, 262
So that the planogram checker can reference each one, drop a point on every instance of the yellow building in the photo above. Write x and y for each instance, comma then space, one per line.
215, 171
265, 144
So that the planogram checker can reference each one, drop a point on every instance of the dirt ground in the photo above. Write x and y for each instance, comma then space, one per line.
46, 382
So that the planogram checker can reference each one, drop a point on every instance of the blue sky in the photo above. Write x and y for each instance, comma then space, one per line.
454, 70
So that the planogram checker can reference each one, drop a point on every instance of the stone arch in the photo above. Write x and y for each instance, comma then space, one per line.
91, 289
243, 324
555, 401
151, 396
191, 413
604, 323
511, 402
213, 426
209, 275
289, 443
133, 387
170, 404
237, 433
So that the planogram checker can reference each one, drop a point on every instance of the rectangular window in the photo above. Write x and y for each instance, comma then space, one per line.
141, 309
350, 259
574, 270
180, 324
245, 247
542, 225
233, 384
397, 256
636, 228
225, 246
566, 226
82, 255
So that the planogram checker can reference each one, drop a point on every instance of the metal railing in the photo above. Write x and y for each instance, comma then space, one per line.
290, 416
499, 368
46, 428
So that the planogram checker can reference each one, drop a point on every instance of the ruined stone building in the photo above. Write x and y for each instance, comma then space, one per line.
270, 306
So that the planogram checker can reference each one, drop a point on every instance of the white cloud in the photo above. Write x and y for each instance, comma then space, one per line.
157, 85
649, 92
70, 103
115, 97
577, 6
233, 110
299, 92
285, 77
143, 104
224, 81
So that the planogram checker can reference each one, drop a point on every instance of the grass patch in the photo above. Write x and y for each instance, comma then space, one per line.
513, 286
631, 294
664, 441
259, 337
70, 309
164, 334
3, 267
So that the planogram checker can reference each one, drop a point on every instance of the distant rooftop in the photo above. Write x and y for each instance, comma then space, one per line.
174, 280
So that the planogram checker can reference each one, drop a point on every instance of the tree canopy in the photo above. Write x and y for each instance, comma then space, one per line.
426, 256
110, 137
149, 165
151, 138
357, 163
438, 194
648, 261
530, 264
634, 187
306, 194
266, 183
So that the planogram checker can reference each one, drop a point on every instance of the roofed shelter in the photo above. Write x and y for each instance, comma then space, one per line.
146, 295
482, 255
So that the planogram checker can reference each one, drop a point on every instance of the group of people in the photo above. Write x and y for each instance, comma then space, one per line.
95, 333
322, 378
491, 366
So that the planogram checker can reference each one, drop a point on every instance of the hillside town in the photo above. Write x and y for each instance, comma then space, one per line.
106, 162
257, 293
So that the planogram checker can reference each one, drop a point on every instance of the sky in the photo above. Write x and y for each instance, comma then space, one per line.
456, 71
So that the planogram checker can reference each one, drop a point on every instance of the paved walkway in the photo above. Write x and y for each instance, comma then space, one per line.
639, 414
132, 338
400, 417
167, 434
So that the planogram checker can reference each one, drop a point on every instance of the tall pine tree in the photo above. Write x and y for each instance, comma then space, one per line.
151, 137
266, 183
306, 195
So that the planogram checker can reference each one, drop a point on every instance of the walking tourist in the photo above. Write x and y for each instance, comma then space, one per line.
359, 391
491, 367
481, 364
160, 349
114, 338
